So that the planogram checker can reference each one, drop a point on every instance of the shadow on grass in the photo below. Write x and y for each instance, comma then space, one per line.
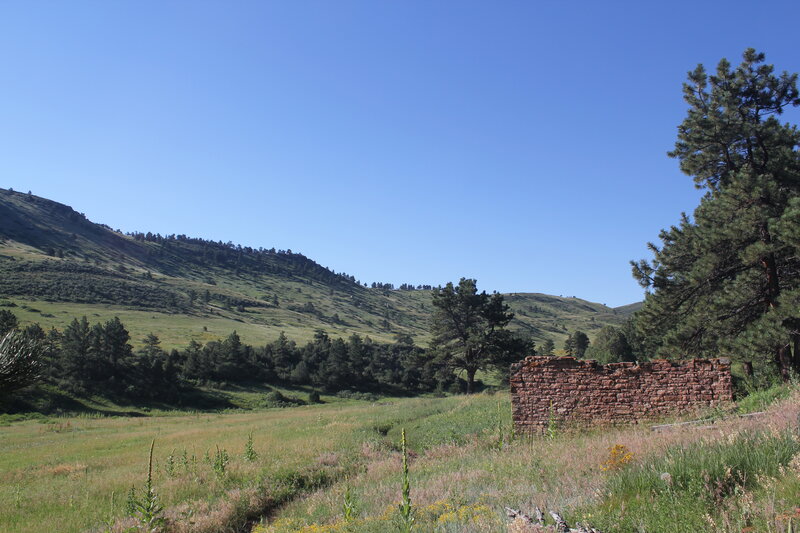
47, 400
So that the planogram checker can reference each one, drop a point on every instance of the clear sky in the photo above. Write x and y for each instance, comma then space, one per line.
521, 143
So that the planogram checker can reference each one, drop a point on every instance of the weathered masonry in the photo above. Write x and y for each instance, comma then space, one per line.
565, 389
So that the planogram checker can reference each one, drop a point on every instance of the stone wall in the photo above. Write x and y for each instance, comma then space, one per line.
572, 390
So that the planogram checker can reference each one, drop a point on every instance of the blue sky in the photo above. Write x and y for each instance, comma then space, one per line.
519, 143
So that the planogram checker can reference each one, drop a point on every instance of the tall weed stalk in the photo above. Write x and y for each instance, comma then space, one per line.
147, 510
552, 424
250, 452
220, 462
349, 510
406, 510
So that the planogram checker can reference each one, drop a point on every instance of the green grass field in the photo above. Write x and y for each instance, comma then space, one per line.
259, 325
464, 467
177, 330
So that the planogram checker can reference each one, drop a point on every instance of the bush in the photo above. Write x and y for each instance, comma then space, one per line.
274, 396
353, 395
277, 399
758, 400
313, 397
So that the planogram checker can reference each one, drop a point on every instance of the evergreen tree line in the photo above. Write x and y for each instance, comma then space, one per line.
402, 287
611, 345
332, 365
241, 258
98, 358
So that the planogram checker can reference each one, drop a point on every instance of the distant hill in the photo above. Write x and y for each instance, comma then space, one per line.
627, 310
55, 264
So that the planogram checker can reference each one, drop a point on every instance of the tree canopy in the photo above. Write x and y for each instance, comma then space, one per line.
610, 346
469, 330
576, 344
727, 280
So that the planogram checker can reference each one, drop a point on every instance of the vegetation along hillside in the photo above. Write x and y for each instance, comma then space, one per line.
56, 265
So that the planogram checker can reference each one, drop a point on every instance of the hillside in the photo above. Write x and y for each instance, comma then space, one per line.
55, 265
627, 310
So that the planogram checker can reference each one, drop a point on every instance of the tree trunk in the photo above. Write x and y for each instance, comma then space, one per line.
470, 380
793, 325
783, 354
784, 362
770, 269
796, 355
773, 287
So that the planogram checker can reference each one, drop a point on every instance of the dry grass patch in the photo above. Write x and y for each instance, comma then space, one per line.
569, 473
63, 470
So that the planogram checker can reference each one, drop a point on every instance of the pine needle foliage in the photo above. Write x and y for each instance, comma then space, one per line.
20, 361
727, 280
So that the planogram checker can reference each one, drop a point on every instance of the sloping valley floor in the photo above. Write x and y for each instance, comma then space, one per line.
304, 466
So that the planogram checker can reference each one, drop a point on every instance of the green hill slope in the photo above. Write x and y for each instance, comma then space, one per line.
55, 265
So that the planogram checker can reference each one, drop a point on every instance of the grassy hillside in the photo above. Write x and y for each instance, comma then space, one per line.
465, 466
56, 265
627, 310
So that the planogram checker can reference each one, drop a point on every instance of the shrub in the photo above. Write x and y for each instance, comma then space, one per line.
758, 400
353, 395
274, 397
277, 399
618, 456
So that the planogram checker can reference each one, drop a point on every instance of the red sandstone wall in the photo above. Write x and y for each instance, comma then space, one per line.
583, 391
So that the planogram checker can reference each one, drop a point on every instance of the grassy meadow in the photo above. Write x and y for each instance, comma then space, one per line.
337, 467
177, 330
540, 316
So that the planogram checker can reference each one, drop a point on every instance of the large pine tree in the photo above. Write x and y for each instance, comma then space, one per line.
727, 280
469, 330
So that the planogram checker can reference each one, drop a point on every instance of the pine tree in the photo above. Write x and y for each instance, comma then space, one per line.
469, 330
727, 281
610, 345
151, 346
547, 347
195, 365
581, 342
284, 359
8, 321
115, 341
569, 345
76, 343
